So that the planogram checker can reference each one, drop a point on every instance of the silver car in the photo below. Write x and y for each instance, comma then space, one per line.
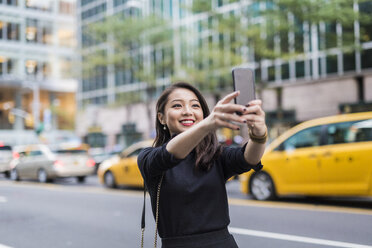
6, 156
41, 163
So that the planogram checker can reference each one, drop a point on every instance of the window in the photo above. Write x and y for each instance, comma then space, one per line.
135, 153
1, 29
257, 74
120, 2
300, 69
66, 68
85, 2
44, 5
11, 2
37, 68
66, 7
284, 42
360, 131
7, 65
330, 36
349, 61
306, 138
31, 67
1, 65
271, 71
348, 132
93, 11
366, 27
72, 151
35, 153
367, 58
46, 34
5, 148
299, 37
11, 66
285, 71
31, 30
12, 31
46, 70
66, 36
331, 64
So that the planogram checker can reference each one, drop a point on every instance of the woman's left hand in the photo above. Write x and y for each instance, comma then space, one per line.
255, 117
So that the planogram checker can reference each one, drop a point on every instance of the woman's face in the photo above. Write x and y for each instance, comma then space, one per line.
182, 111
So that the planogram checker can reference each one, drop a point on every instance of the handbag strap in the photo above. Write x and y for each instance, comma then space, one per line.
157, 211
156, 214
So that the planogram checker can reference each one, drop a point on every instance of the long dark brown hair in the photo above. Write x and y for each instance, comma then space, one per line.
208, 149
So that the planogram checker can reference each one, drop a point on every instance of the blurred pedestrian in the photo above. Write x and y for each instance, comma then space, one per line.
186, 170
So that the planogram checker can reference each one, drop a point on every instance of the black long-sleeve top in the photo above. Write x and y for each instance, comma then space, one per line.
192, 201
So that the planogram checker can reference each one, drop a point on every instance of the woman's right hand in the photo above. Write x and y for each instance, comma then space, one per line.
223, 114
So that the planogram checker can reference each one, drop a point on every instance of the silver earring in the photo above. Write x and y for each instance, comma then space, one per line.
164, 127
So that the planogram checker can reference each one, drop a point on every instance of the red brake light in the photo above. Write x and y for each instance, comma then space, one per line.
15, 155
58, 163
90, 162
1, 143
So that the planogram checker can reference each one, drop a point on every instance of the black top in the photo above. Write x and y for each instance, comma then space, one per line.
191, 201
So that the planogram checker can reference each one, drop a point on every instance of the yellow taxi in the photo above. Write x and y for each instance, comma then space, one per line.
122, 169
330, 156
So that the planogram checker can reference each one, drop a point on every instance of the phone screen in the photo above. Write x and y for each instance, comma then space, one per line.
243, 79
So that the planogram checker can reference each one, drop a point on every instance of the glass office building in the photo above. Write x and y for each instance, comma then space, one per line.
37, 53
322, 80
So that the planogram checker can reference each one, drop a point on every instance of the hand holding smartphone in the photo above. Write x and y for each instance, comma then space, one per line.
243, 79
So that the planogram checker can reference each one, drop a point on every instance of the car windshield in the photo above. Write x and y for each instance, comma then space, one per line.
77, 151
5, 148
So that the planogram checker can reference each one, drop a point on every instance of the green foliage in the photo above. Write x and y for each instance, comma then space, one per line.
313, 12
201, 6
125, 36
209, 53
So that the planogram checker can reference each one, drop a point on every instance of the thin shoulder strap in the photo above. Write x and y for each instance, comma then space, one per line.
156, 214
143, 214
157, 211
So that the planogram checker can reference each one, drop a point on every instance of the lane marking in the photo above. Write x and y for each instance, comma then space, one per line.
2, 200
295, 238
232, 201
299, 206
4, 246
74, 189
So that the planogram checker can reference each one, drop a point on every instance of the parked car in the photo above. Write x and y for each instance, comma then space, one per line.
122, 169
41, 163
101, 156
329, 156
6, 155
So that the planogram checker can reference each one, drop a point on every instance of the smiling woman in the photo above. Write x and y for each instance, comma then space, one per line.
189, 168
182, 110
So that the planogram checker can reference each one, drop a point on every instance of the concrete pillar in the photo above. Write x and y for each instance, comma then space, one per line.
36, 104
18, 120
54, 102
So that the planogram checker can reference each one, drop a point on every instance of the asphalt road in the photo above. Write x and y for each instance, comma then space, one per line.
67, 214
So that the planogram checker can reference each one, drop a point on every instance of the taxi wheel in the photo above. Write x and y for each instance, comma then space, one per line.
81, 179
7, 174
262, 187
109, 180
42, 176
14, 175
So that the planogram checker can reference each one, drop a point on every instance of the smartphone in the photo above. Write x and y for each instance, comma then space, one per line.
243, 79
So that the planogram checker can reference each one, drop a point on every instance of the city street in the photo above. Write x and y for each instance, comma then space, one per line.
67, 214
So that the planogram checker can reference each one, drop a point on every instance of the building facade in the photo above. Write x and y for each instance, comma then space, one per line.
323, 80
37, 53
